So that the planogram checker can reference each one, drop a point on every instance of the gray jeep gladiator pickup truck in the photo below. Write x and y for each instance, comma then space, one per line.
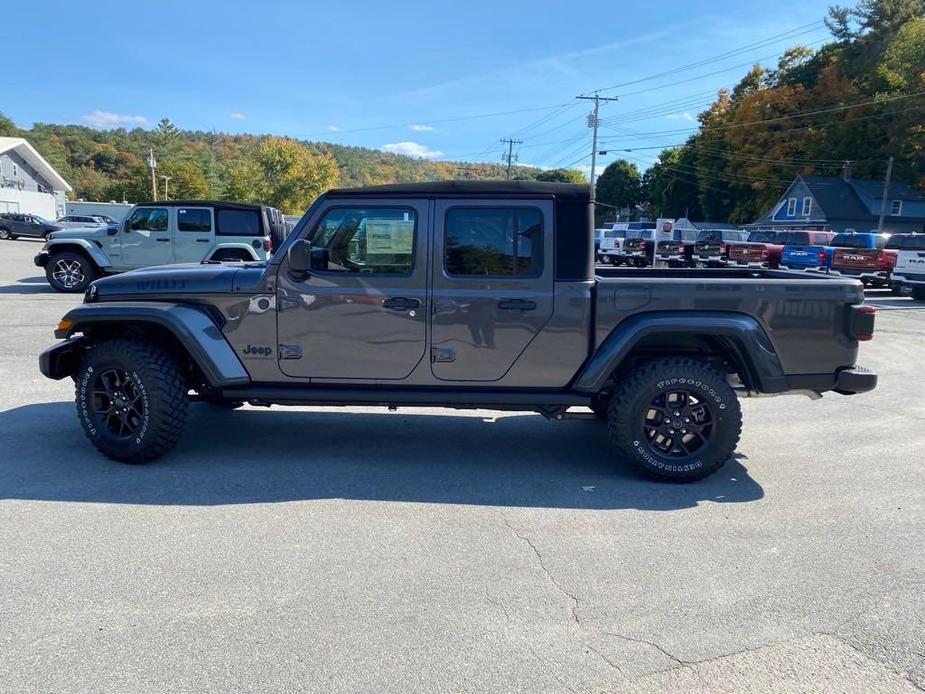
463, 295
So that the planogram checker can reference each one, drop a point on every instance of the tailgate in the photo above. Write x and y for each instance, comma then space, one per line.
748, 253
855, 259
709, 248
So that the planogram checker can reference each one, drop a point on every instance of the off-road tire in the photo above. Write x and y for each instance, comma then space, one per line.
233, 254
161, 405
57, 261
918, 293
641, 388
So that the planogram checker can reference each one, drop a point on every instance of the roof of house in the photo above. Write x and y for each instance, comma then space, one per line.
570, 192
848, 199
36, 160
836, 196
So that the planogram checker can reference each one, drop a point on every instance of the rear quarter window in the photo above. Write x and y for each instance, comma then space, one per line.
238, 223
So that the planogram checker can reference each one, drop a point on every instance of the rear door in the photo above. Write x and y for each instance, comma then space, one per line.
492, 285
193, 234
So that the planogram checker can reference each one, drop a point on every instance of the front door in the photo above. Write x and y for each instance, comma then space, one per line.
193, 234
492, 285
361, 312
145, 240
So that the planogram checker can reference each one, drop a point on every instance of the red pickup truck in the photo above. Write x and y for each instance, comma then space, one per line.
865, 256
761, 249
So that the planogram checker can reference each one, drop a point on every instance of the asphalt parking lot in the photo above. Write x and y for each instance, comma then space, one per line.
358, 550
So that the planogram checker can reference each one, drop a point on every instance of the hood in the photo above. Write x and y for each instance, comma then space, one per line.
172, 280
81, 232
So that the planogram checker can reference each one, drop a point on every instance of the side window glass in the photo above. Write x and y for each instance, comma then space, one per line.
494, 242
193, 220
149, 219
366, 240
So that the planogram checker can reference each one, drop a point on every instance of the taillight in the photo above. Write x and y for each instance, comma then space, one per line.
821, 256
764, 253
642, 246
267, 244
862, 322
883, 260
722, 248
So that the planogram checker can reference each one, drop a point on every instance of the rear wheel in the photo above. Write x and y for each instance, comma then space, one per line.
675, 419
6, 234
69, 272
131, 400
918, 293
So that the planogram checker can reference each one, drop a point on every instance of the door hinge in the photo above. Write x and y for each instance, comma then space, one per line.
442, 355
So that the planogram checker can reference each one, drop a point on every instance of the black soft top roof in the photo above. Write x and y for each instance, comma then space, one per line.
225, 204
565, 192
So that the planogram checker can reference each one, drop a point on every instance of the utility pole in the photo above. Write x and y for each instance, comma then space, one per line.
510, 157
593, 123
886, 190
166, 178
152, 164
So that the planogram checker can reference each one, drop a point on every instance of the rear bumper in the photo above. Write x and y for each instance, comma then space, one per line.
849, 380
879, 276
909, 279
41, 260
750, 263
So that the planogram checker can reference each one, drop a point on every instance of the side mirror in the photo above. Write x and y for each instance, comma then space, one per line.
125, 226
112, 231
299, 257
303, 257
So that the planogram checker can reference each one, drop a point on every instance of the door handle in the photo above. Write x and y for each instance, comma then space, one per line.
164, 240
400, 303
517, 305
202, 240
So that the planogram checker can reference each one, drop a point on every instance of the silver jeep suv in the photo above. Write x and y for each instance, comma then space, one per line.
159, 233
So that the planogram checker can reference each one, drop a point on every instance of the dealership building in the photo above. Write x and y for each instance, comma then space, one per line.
28, 183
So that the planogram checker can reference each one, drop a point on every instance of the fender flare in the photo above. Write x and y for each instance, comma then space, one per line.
192, 327
745, 335
246, 247
96, 254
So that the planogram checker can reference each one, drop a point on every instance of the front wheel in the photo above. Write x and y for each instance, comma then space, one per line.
131, 400
6, 234
69, 272
675, 419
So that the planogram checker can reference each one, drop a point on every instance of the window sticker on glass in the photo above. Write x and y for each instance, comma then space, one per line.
389, 236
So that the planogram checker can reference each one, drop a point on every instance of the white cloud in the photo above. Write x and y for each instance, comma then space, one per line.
421, 128
333, 128
412, 149
237, 116
680, 116
107, 119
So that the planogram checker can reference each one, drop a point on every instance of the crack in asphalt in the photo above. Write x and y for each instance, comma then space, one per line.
602, 657
539, 558
661, 649
905, 675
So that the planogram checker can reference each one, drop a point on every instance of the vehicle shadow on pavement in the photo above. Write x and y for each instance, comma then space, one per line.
28, 285
256, 456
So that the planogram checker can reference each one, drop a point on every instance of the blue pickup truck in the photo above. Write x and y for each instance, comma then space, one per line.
806, 250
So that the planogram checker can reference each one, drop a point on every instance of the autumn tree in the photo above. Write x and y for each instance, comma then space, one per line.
619, 186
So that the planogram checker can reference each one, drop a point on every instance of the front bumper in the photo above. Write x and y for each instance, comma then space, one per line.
41, 260
62, 359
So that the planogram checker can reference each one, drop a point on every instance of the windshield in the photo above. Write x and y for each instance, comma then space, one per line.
764, 237
615, 234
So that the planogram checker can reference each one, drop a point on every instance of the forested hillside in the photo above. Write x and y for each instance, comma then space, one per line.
287, 173
860, 98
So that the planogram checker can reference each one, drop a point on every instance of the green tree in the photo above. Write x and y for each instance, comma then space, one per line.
619, 186
283, 173
8, 127
669, 188
562, 176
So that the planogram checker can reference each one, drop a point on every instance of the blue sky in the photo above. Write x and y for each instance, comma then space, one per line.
404, 76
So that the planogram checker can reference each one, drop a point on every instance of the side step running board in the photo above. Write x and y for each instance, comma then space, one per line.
385, 397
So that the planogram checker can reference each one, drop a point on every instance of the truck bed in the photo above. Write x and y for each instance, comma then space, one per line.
798, 311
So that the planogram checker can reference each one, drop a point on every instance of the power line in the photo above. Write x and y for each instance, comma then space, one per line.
784, 36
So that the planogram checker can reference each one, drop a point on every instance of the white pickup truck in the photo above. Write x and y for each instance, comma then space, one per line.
909, 270
611, 248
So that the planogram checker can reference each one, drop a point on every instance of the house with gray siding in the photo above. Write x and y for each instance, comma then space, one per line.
28, 183
844, 204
